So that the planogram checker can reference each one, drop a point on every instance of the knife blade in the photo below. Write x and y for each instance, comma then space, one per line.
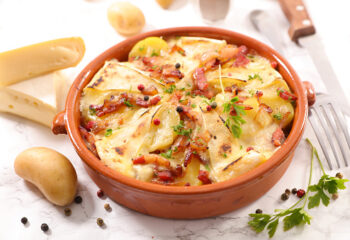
303, 32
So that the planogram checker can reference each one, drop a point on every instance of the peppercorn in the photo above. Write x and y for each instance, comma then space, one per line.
146, 98
208, 108
141, 87
339, 175
335, 196
78, 199
67, 212
107, 207
156, 121
284, 196
24, 220
100, 222
100, 193
287, 191
177, 65
44, 227
294, 191
179, 109
213, 105
300, 193
258, 210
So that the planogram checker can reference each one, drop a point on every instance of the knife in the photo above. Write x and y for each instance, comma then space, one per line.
302, 31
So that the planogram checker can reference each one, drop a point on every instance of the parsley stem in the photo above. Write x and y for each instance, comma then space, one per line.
311, 167
314, 151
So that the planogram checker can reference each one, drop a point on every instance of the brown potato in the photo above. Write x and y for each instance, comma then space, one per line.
49, 171
165, 3
126, 18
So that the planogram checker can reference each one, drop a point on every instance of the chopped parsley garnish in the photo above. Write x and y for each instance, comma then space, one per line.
207, 167
154, 54
141, 48
225, 155
108, 132
255, 76
277, 116
170, 89
233, 122
180, 130
92, 111
193, 105
188, 93
128, 104
167, 154
154, 67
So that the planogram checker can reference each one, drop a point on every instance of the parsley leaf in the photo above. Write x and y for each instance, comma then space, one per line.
180, 130
233, 122
108, 132
277, 116
167, 154
170, 89
127, 103
255, 76
272, 227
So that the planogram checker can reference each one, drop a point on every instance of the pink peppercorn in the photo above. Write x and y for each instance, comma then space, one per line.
156, 121
141, 87
100, 193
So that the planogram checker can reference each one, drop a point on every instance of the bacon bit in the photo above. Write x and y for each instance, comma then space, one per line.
154, 100
200, 80
90, 140
171, 71
187, 184
90, 125
228, 52
240, 61
141, 87
203, 176
266, 107
243, 50
259, 94
139, 160
178, 172
248, 107
274, 64
188, 157
165, 175
249, 149
180, 143
278, 137
142, 103
209, 93
286, 95
151, 90
178, 49
228, 89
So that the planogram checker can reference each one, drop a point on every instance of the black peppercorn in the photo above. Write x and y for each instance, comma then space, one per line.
284, 196
335, 196
294, 191
258, 210
213, 105
24, 220
287, 191
107, 207
146, 98
179, 109
339, 175
78, 199
44, 227
177, 65
67, 211
100, 222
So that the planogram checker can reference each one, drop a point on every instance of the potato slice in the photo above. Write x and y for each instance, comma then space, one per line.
149, 47
162, 136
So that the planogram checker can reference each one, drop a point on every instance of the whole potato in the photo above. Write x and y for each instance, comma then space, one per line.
165, 3
126, 18
50, 171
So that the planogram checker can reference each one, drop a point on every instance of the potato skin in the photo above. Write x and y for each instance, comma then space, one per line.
126, 18
165, 3
50, 171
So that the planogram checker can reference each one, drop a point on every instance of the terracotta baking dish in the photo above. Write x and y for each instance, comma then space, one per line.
195, 201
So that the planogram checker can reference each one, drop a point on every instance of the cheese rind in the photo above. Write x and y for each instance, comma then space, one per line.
26, 106
37, 59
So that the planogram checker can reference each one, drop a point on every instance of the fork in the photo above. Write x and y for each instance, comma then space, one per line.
327, 120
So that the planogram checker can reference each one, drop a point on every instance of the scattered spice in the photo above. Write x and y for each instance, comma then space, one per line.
141, 87
78, 199
208, 108
249, 149
156, 121
213, 105
300, 193
284, 197
177, 65
335, 196
258, 210
107, 207
44, 227
294, 191
287, 191
100, 222
24, 220
339, 175
179, 109
67, 212
146, 98
100, 193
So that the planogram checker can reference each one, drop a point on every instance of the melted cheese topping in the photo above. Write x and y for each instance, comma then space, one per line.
203, 111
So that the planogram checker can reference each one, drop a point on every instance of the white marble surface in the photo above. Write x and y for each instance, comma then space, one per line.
24, 22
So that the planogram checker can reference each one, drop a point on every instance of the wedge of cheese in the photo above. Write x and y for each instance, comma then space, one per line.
34, 60
26, 106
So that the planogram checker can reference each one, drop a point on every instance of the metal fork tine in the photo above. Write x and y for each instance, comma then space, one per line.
315, 125
329, 137
340, 121
331, 124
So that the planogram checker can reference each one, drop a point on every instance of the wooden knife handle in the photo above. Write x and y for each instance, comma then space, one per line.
300, 22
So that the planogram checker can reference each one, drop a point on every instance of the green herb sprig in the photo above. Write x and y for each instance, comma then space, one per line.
167, 154
295, 215
234, 122
180, 129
